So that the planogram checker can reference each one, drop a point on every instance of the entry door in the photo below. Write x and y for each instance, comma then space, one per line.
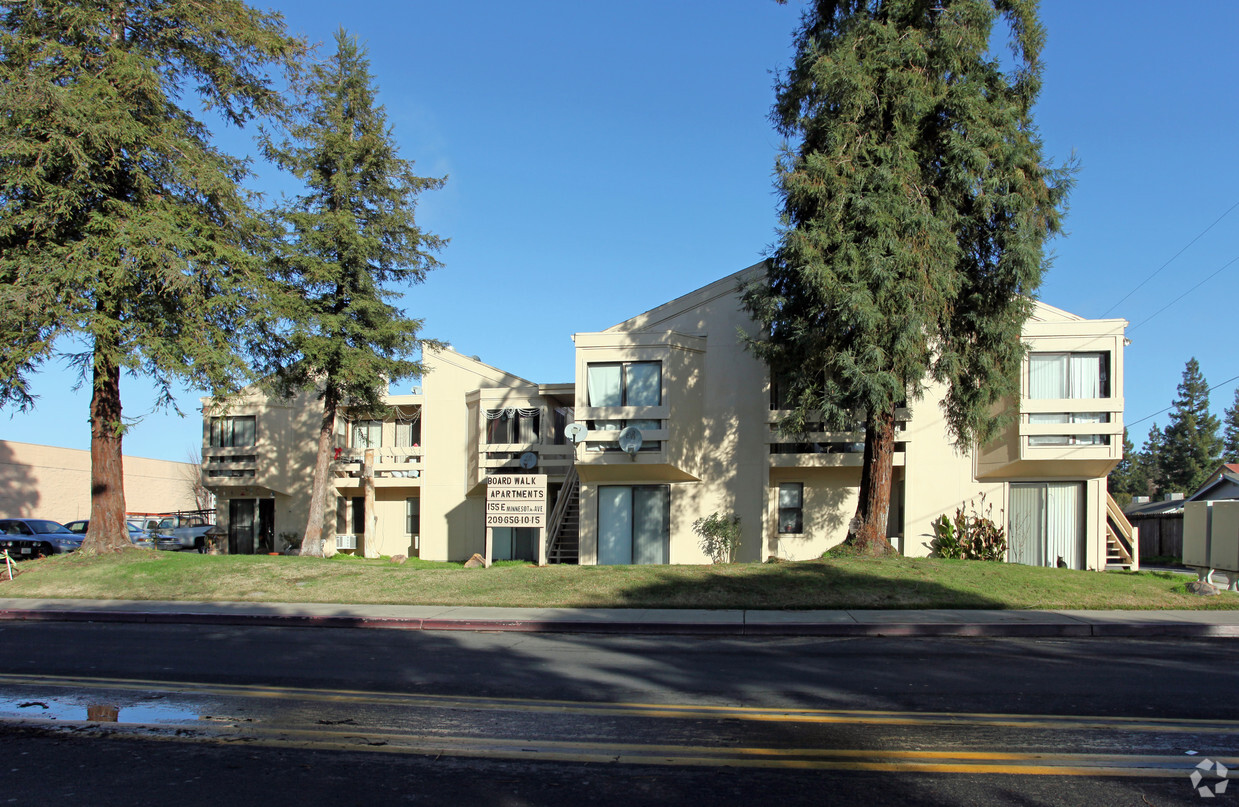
1047, 523
265, 529
634, 524
241, 526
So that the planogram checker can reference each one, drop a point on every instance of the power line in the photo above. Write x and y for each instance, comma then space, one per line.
1184, 294
1172, 259
1168, 408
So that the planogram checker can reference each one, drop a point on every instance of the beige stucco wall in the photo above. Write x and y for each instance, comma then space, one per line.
725, 465
49, 482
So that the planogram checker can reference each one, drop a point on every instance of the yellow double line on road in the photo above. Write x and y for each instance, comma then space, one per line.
389, 740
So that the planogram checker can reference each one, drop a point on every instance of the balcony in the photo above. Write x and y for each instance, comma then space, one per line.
828, 449
222, 467
1071, 428
553, 460
393, 467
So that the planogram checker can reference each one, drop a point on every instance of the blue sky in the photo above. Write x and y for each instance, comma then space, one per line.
605, 158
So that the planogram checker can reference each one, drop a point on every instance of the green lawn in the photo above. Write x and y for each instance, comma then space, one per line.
833, 583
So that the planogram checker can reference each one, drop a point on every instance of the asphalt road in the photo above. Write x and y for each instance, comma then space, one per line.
319, 716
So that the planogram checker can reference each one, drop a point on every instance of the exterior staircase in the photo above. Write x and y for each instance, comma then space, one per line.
1122, 539
564, 528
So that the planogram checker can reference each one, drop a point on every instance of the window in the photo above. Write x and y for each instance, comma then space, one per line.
513, 425
359, 515
409, 434
630, 383
231, 432
1066, 376
791, 507
634, 524
634, 383
367, 434
412, 516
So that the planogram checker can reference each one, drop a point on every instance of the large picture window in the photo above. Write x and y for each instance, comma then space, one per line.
1068, 376
634, 383
232, 432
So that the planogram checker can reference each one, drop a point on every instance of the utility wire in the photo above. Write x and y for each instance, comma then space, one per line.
1172, 259
1184, 294
1168, 408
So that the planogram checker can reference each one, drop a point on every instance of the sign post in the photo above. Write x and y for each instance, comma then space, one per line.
516, 500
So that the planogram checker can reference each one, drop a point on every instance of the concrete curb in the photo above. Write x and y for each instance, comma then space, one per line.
1110, 627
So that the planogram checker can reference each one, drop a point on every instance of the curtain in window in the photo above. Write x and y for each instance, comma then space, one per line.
367, 434
1047, 520
1062, 524
1047, 375
1086, 375
243, 431
603, 385
529, 420
643, 382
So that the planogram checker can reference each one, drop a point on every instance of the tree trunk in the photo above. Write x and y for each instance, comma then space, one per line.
867, 533
107, 531
312, 541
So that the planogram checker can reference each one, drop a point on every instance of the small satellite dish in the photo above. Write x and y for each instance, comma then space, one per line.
529, 460
630, 441
575, 432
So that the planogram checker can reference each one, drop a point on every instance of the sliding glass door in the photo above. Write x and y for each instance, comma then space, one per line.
634, 524
1047, 523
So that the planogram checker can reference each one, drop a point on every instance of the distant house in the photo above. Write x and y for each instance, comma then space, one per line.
1161, 520
1222, 485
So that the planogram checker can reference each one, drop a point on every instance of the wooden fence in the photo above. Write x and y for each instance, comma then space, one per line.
1160, 534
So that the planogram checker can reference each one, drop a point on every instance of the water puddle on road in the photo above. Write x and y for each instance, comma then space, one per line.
54, 709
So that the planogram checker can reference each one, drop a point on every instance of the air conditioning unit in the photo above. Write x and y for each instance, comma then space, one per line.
346, 541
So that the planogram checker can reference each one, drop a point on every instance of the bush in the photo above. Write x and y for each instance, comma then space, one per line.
720, 536
969, 536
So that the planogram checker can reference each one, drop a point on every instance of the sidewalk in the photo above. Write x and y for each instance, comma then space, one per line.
1143, 624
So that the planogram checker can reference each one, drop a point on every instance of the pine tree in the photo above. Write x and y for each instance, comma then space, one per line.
915, 205
1150, 459
1230, 439
1123, 482
122, 228
1192, 447
352, 232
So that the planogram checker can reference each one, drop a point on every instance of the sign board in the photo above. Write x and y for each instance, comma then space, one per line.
516, 500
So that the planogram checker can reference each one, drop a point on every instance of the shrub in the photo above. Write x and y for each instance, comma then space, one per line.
970, 535
719, 536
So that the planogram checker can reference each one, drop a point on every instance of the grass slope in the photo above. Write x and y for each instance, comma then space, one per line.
836, 583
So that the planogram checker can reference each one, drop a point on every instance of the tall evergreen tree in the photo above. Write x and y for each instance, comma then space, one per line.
123, 230
1230, 438
1192, 447
352, 232
1150, 459
915, 206
1124, 481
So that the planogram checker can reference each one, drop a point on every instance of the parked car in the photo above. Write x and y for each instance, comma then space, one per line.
179, 532
137, 535
36, 538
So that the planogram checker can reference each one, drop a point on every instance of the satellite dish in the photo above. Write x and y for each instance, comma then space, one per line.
575, 432
630, 441
529, 460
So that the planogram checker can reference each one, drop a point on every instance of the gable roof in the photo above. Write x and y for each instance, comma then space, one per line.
651, 319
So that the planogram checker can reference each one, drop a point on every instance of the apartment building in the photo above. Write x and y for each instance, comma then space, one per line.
705, 411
